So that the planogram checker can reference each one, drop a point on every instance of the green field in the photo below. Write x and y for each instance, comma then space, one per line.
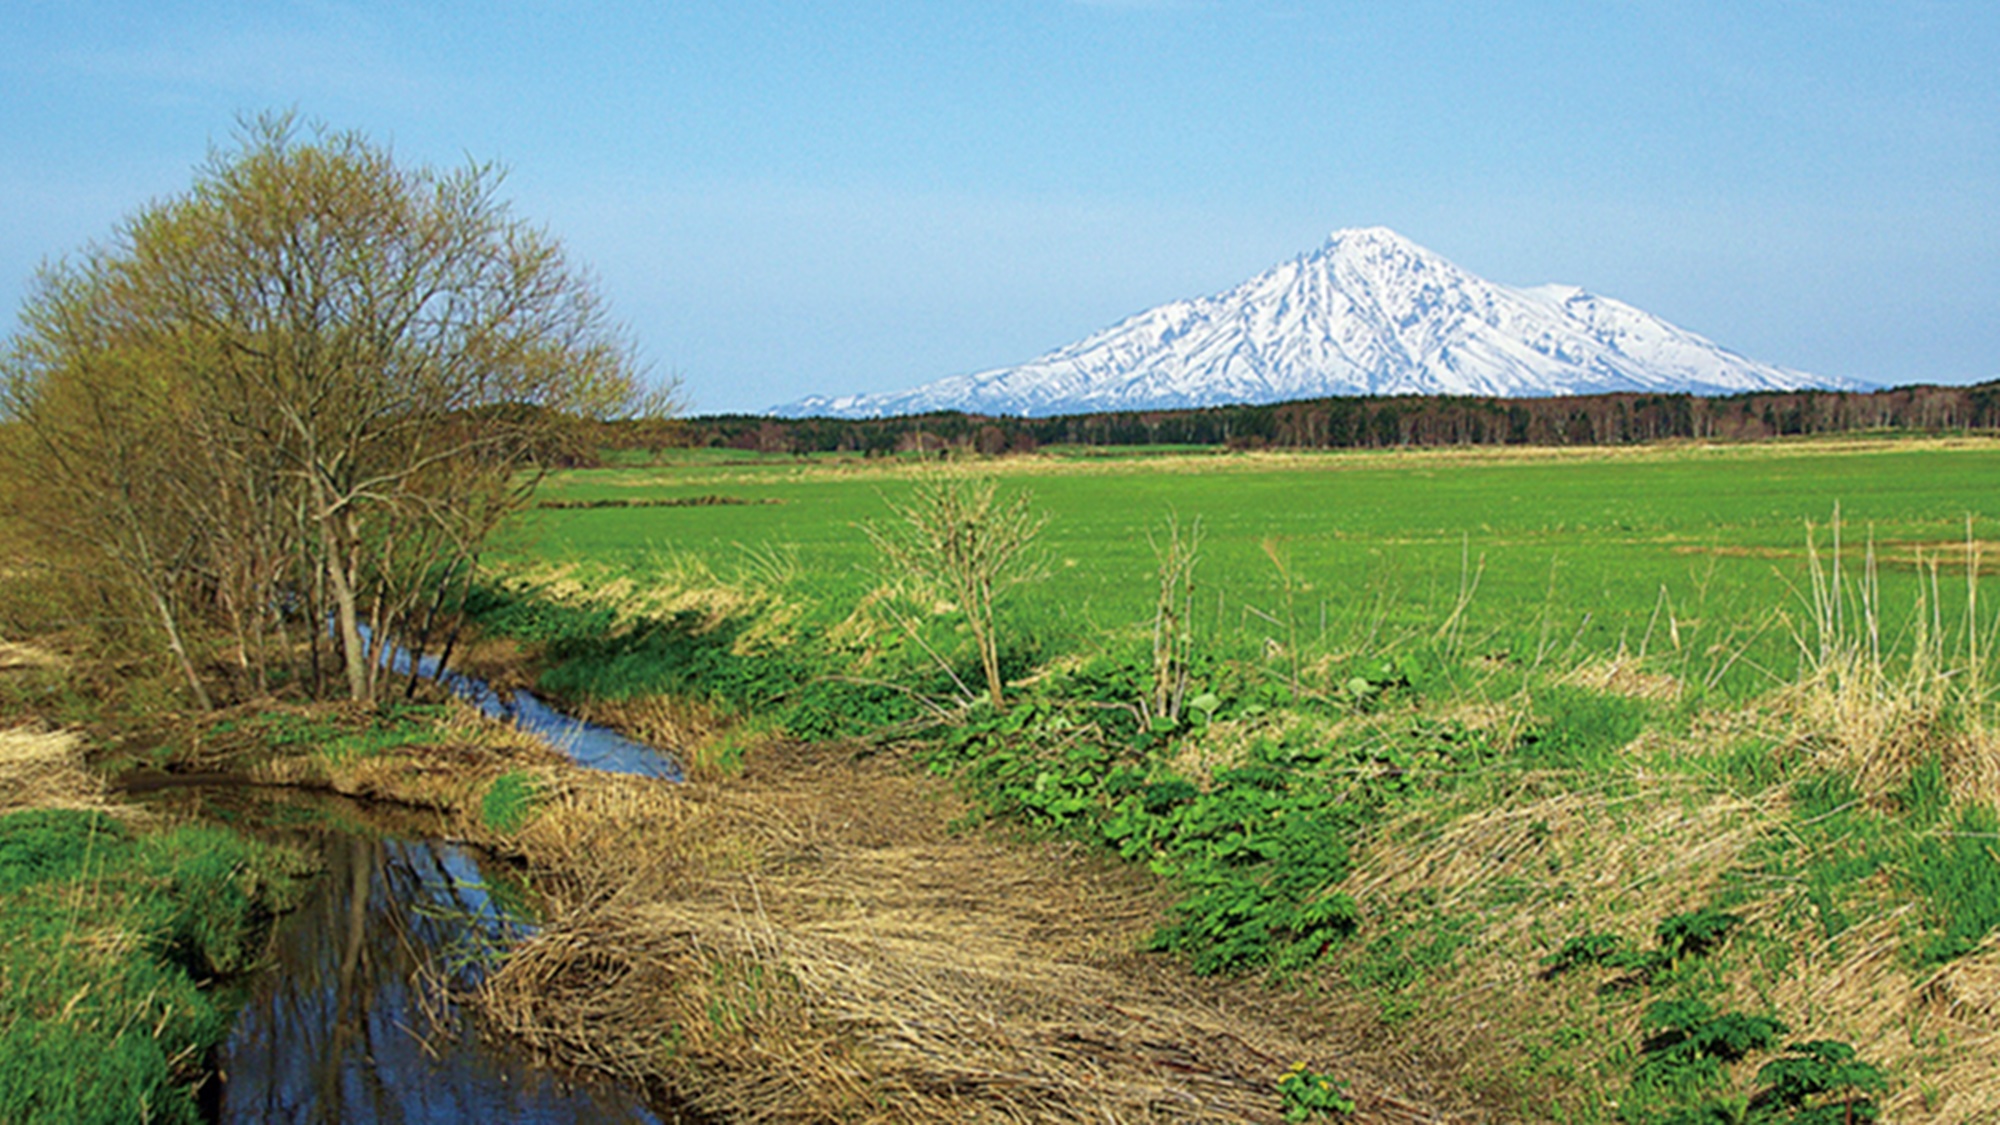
1580, 552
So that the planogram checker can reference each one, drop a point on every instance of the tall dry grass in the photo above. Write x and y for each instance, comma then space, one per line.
1876, 698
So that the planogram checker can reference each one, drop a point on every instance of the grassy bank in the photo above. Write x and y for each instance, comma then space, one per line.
1604, 784
114, 934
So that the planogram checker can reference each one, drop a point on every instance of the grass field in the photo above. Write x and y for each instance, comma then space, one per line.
1582, 551
1601, 780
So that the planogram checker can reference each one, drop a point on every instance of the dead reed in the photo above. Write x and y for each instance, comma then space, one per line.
813, 945
42, 769
1876, 699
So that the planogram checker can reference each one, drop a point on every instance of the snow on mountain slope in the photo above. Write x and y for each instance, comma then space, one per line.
1368, 313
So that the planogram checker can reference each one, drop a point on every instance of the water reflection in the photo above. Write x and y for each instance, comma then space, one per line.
352, 1023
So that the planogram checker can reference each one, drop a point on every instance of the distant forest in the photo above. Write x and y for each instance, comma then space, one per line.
1356, 423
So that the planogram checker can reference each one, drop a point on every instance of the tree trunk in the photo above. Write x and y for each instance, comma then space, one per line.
346, 613
179, 649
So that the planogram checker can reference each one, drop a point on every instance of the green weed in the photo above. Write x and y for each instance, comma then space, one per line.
1957, 873
1309, 1094
510, 801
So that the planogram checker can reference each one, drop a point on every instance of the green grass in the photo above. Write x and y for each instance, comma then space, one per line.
509, 802
1686, 552
108, 942
343, 738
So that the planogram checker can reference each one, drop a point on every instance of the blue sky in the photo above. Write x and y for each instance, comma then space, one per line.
789, 198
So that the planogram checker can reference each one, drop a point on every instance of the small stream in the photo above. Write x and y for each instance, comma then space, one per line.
352, 1022
588, 744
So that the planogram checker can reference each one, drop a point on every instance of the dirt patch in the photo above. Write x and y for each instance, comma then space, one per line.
812, 942
1950, 556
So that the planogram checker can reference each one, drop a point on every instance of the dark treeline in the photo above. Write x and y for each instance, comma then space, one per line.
1361, 423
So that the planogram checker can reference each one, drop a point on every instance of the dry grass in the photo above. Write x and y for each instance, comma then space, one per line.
1877, 699
15, 656
1332, 460
694, 730
1521, 875
1625, 675
809, 943
1542, 865
42, 769
682, 585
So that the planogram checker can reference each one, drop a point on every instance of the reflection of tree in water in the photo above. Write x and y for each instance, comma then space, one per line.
342, 1029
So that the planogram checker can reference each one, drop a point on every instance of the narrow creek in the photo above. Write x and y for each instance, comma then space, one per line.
588, 744
353, 1021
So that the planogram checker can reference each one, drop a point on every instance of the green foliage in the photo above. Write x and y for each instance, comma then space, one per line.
510, 802
1688, 1046
1694, 933
1681, 1032
1819, 1072
1681, 936
1585, 949
1256, 850
1309, 1094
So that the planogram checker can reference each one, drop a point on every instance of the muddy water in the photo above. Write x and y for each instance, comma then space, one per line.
354, 1019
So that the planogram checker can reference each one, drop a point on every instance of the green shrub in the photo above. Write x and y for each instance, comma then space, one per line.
1827, 1073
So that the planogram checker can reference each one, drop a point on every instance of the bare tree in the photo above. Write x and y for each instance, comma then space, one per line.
354, 368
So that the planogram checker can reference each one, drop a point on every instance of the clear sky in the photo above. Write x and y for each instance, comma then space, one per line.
789, 198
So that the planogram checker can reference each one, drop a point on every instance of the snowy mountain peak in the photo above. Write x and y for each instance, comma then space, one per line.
1368, 312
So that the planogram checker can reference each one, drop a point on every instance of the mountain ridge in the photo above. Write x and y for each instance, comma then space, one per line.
1366, 313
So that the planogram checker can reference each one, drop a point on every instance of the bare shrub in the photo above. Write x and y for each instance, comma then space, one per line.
1176, 550
956, 539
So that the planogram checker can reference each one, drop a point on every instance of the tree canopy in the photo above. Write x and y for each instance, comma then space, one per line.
302, 395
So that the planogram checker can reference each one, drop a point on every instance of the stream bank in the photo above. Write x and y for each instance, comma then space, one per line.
324, 943
354, 1016
807, 939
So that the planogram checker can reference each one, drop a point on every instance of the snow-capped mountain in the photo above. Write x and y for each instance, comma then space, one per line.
1368, 313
